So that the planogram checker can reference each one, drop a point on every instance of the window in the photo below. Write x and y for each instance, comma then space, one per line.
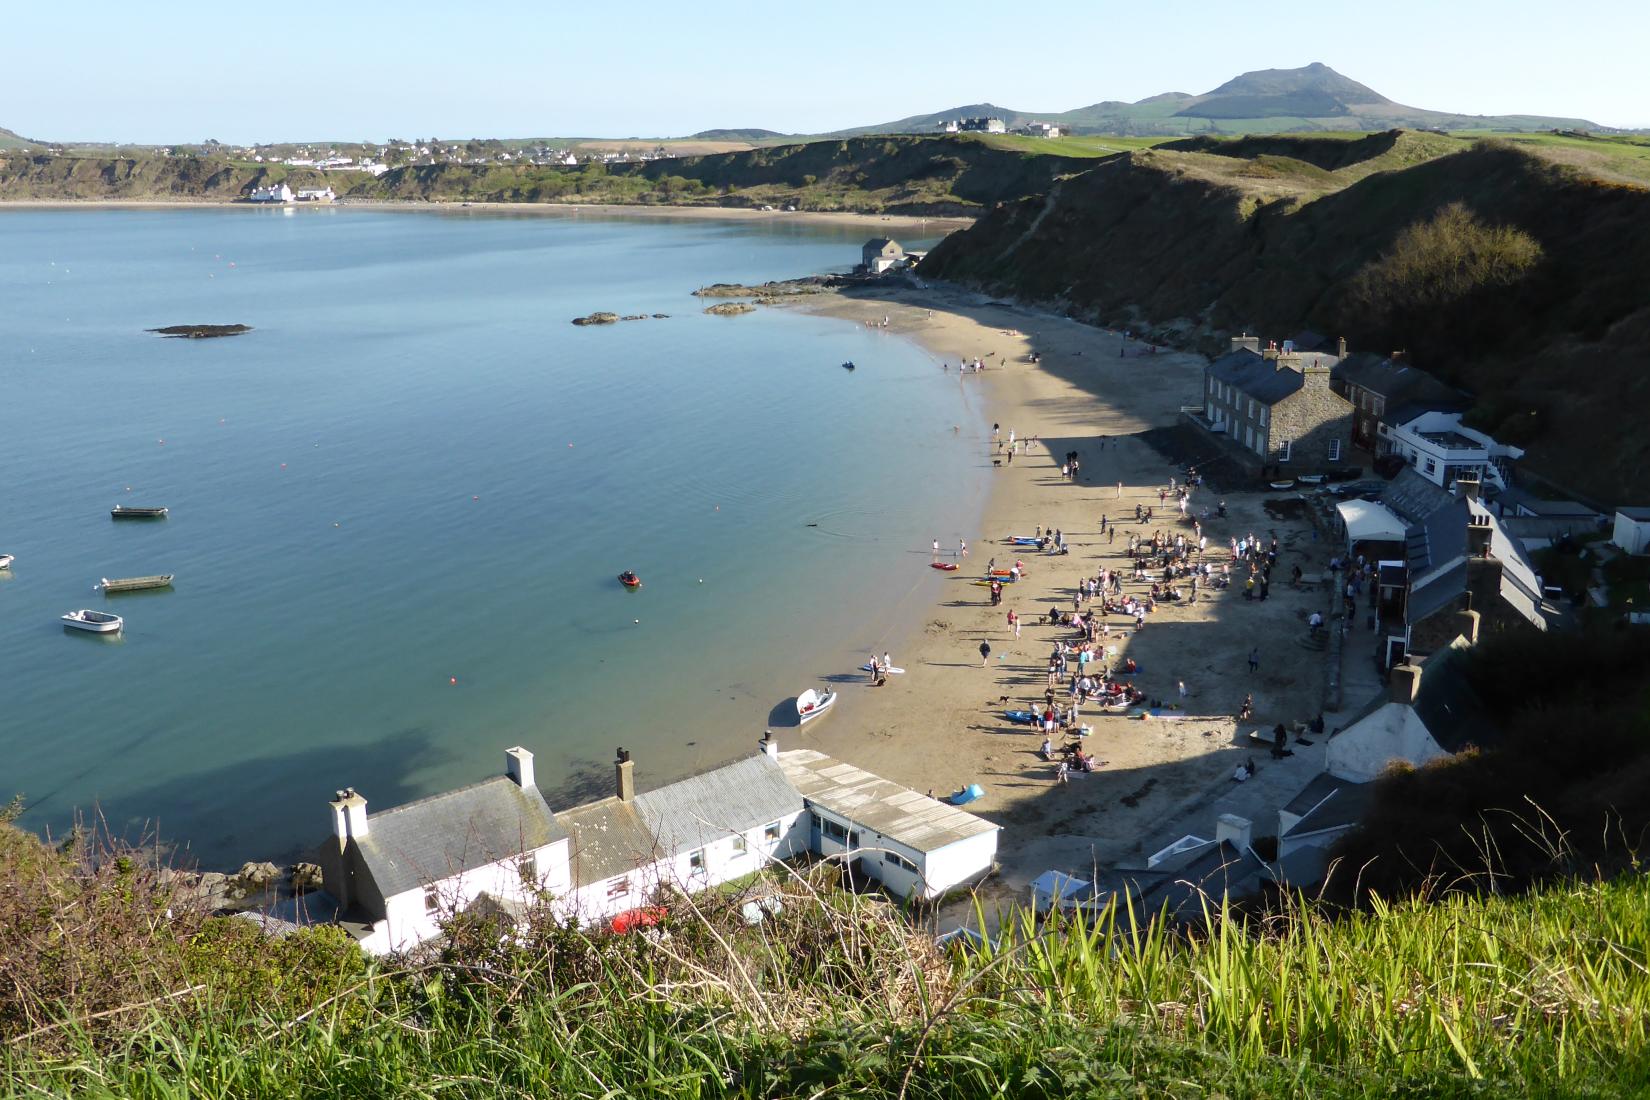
1431, 466
696, 862
894, 859
833, 829
739, 846
1285, 448
528, 868
1334, 450
1263, 415
770, 831
432, 899
618, 888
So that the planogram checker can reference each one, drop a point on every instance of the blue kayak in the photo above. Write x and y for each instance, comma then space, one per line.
1023, 717
1022, 540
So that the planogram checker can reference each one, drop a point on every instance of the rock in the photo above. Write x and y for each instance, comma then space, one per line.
661, 316
200, 332
306, 877
597, 318
730, 309
634, 317
256, 876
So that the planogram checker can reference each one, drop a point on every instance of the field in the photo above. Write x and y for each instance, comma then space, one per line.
1620, 157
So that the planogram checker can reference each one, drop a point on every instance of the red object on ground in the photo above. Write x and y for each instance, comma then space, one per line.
632, 919
949, 567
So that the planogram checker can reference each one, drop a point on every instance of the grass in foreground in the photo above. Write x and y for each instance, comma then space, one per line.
1546, 995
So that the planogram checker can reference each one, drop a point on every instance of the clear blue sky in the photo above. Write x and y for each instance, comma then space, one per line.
183, 70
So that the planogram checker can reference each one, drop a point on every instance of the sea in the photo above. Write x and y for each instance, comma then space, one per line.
399, 505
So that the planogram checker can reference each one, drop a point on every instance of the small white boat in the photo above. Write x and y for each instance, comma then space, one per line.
98, 622
811, 704
1290, 484
6, 560
1311, 479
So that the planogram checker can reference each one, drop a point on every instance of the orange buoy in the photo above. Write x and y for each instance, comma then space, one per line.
452, 679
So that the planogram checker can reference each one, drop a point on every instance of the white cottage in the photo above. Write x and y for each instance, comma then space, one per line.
279, 192
1632, 530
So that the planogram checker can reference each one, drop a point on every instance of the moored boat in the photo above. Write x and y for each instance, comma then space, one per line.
1282, 484
98, 622
6, 560
121, 511
811, 704
849, 365
630, 580
136, 584
1311, 479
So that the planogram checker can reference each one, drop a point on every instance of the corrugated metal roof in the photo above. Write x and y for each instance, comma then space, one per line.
741, 796
609, 839
897, 812
407, 847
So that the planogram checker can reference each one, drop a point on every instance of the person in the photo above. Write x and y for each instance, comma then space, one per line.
1181, 684
1243, 772
1315, 622
985, 654
1047, 751
1119, 490
1254, 660
887, 662
1247, 710
936, 548
962, 547
1061, 771
1280, 742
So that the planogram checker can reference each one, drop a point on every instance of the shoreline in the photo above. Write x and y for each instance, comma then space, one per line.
939, 726
941, 225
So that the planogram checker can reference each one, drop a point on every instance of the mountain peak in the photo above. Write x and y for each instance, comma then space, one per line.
1316, 80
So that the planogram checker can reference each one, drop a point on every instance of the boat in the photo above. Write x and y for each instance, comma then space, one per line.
962, 796
811, 704
849, 365
1024, 540
1021, 717
1282, 484
1311, 479
946, 566
136, 584
6, 560
121, 511
630, 580
98, 622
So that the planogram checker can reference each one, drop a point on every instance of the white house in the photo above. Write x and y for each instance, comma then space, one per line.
916, 846
1632, 530
497, 843
881, 254
1442, 449
316, 194
279, 192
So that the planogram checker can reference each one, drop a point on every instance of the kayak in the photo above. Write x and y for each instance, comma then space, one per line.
1023, 540
947, 566
1021, 717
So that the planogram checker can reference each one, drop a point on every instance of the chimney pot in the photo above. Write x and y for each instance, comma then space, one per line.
1340, 347
769, 745
349, 816
1237, 830
1404, 684
518, 765
1467, 623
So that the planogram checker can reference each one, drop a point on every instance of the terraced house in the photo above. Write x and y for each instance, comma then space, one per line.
1275, 406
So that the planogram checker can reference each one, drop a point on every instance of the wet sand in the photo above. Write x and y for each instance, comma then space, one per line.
939, 726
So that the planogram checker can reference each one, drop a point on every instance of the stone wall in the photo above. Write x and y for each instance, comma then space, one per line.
1312, 418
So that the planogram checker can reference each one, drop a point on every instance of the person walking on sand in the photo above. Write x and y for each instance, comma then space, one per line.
1061, 772
1254, 660
936, 549
1119, 490
962, 548
985, 654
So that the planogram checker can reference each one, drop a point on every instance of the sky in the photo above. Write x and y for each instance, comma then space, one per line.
185, 71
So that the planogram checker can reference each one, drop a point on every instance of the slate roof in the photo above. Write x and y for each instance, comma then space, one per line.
1636, 514
1437, 532
1328, 802
1520, 587
410, 846
1447, 705
897, 812
1255, 376
1396, 382
611, 837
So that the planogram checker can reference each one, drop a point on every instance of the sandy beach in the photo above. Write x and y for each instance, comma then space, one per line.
921, 226
940, 726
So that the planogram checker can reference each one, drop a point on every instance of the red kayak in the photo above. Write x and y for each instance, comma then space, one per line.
949, 567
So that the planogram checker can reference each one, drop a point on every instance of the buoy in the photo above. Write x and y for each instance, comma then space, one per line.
475, 498
638, 622
283, 465
701, 580
452, 679
162, 442
336, 525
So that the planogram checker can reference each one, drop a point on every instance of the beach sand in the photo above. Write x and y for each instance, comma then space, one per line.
939, 726
921, 226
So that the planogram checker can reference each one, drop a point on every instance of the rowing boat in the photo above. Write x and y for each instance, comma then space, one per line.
97, 622
121, 511
136, 584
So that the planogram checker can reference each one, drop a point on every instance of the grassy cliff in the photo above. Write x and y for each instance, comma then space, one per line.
114, 987
1521, 278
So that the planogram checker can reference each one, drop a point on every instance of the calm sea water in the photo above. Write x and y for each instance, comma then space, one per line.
398, 506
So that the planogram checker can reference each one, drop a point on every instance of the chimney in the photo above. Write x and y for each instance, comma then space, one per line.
349, 816
1340, 348
1246, 343
1404, 684
1237, 830
1469, 485
518, 765
624, 773
1399, 356
768, 744
1466, 622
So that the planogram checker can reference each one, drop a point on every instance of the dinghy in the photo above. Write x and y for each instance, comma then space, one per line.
97, 622
6, 560
136, 584
630, 580
811, 704
1282, 484
965, 795
944, 566
849, 365
121, 511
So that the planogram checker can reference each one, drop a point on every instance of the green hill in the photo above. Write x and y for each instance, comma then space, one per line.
1368, 239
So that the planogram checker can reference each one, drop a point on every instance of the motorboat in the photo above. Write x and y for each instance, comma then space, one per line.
136, 584
97, 622
6, 560
121, 511
849, 365
630, 580
811, 704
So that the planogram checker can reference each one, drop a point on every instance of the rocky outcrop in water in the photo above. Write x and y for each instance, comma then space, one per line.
597, 318
730, 309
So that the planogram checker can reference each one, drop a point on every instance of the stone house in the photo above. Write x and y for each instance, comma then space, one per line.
497, 847
881, 254
1376, 386
1276, 407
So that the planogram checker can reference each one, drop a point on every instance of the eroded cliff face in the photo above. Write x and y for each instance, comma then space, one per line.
1541, 312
